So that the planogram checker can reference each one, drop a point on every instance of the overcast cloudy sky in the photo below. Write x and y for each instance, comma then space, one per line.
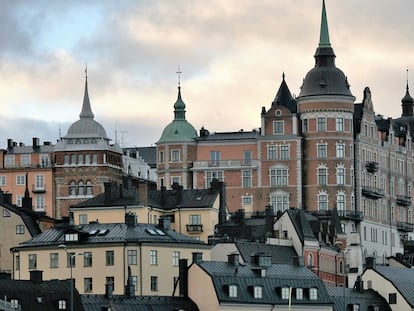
232, 54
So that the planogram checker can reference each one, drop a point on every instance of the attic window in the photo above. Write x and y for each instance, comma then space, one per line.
159, 232
233, 291
198, 198
151, 231
278, 113
257, 292
313, 293
14, 303
71, 237
93, 232
285, 293
103, 231
62, 304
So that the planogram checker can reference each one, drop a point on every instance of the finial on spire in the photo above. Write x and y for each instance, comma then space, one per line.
324, 41
283, 76
86, 70
179, 72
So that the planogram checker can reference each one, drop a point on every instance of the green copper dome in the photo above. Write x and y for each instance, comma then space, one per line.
179, 130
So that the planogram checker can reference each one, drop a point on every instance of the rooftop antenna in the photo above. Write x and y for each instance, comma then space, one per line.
179, 72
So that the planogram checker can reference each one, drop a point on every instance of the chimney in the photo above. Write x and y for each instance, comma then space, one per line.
164, 222
233, 259
130, 219
220, 186
183, 277
129, 287
269, 219
109, 289
9, 143
197, 257
163, 195
359, 284
36, 276
370, 263
35, 142
108, 193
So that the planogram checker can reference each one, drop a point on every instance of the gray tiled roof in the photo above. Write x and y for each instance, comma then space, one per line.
29, 149
301, 224
115, 233
241, 135
148, 154
402, 278
280, 254
141, 303
364, 299
277, 276
190, 198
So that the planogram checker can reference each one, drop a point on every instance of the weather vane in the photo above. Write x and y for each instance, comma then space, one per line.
179, 72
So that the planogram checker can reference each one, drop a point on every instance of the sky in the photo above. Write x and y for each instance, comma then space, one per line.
232, 54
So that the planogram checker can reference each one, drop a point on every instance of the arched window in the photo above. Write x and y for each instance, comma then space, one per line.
89, 188
310, 260
73, 159
80, 188
80, 159
72, 188
341, 266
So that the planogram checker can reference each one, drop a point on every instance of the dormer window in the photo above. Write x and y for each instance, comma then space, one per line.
258, 292
69, 237
285, 293
278, 127
233, 291
313, 293
299, 293
62, 304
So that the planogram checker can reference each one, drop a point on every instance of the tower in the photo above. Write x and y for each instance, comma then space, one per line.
84, 160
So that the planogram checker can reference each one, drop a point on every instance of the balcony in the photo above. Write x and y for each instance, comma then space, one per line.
403, 200
372, 192
194, 228
351, 215
372, 167
39, 188
405, 226
226, 164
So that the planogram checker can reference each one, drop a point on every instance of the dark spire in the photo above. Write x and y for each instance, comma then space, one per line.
284, 97
407, 103
86, 107
324, 34
324, 55
179, 107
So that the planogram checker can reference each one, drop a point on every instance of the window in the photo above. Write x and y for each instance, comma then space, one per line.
94, 158
87, 259
20, 180
153, 258
271, 152
134, 279
213, 175
70, 260
355, 307
25, 159
19, 229
161, 156
175, 258
87, 285
305, 125
9, 160
392, 298
71, 236
340, 150
247, 179
44, 160
80, 188
257, 292
87, 159
214, 158
19, 200
323, 202
247, 200
132, 257
322, 150
2, 180
54, 260
89, 188
279, 202
278, 177
233, 291
72, 188
40, 202
83, 219
340, 175
322, 176
340, 203
299, 293
6, 213
73, 159
195, 219
278, 127
313, 293
247, 157
110, 280
154, 283
66, 159
175, 155
62, 304
321, 124
285, 292
32, 261
14, 303
339, 124
109, 258
284, 151
40, 182
80, 159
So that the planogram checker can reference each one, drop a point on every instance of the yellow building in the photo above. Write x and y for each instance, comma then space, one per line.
99, 254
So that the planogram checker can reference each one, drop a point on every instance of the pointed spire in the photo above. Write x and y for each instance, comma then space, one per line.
407, 102
324, 34
86, 107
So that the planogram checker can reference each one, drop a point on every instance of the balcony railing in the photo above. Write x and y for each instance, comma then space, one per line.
405, 226
226, 164
372, 192
351, 215
39, 188
403, 200
372, 167
194, 228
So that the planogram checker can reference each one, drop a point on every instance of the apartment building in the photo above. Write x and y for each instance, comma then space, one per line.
97, 254
317, 151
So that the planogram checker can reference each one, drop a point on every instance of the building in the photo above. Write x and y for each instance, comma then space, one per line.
98, 254
259, 285
30, 166
317, 151
83, 160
